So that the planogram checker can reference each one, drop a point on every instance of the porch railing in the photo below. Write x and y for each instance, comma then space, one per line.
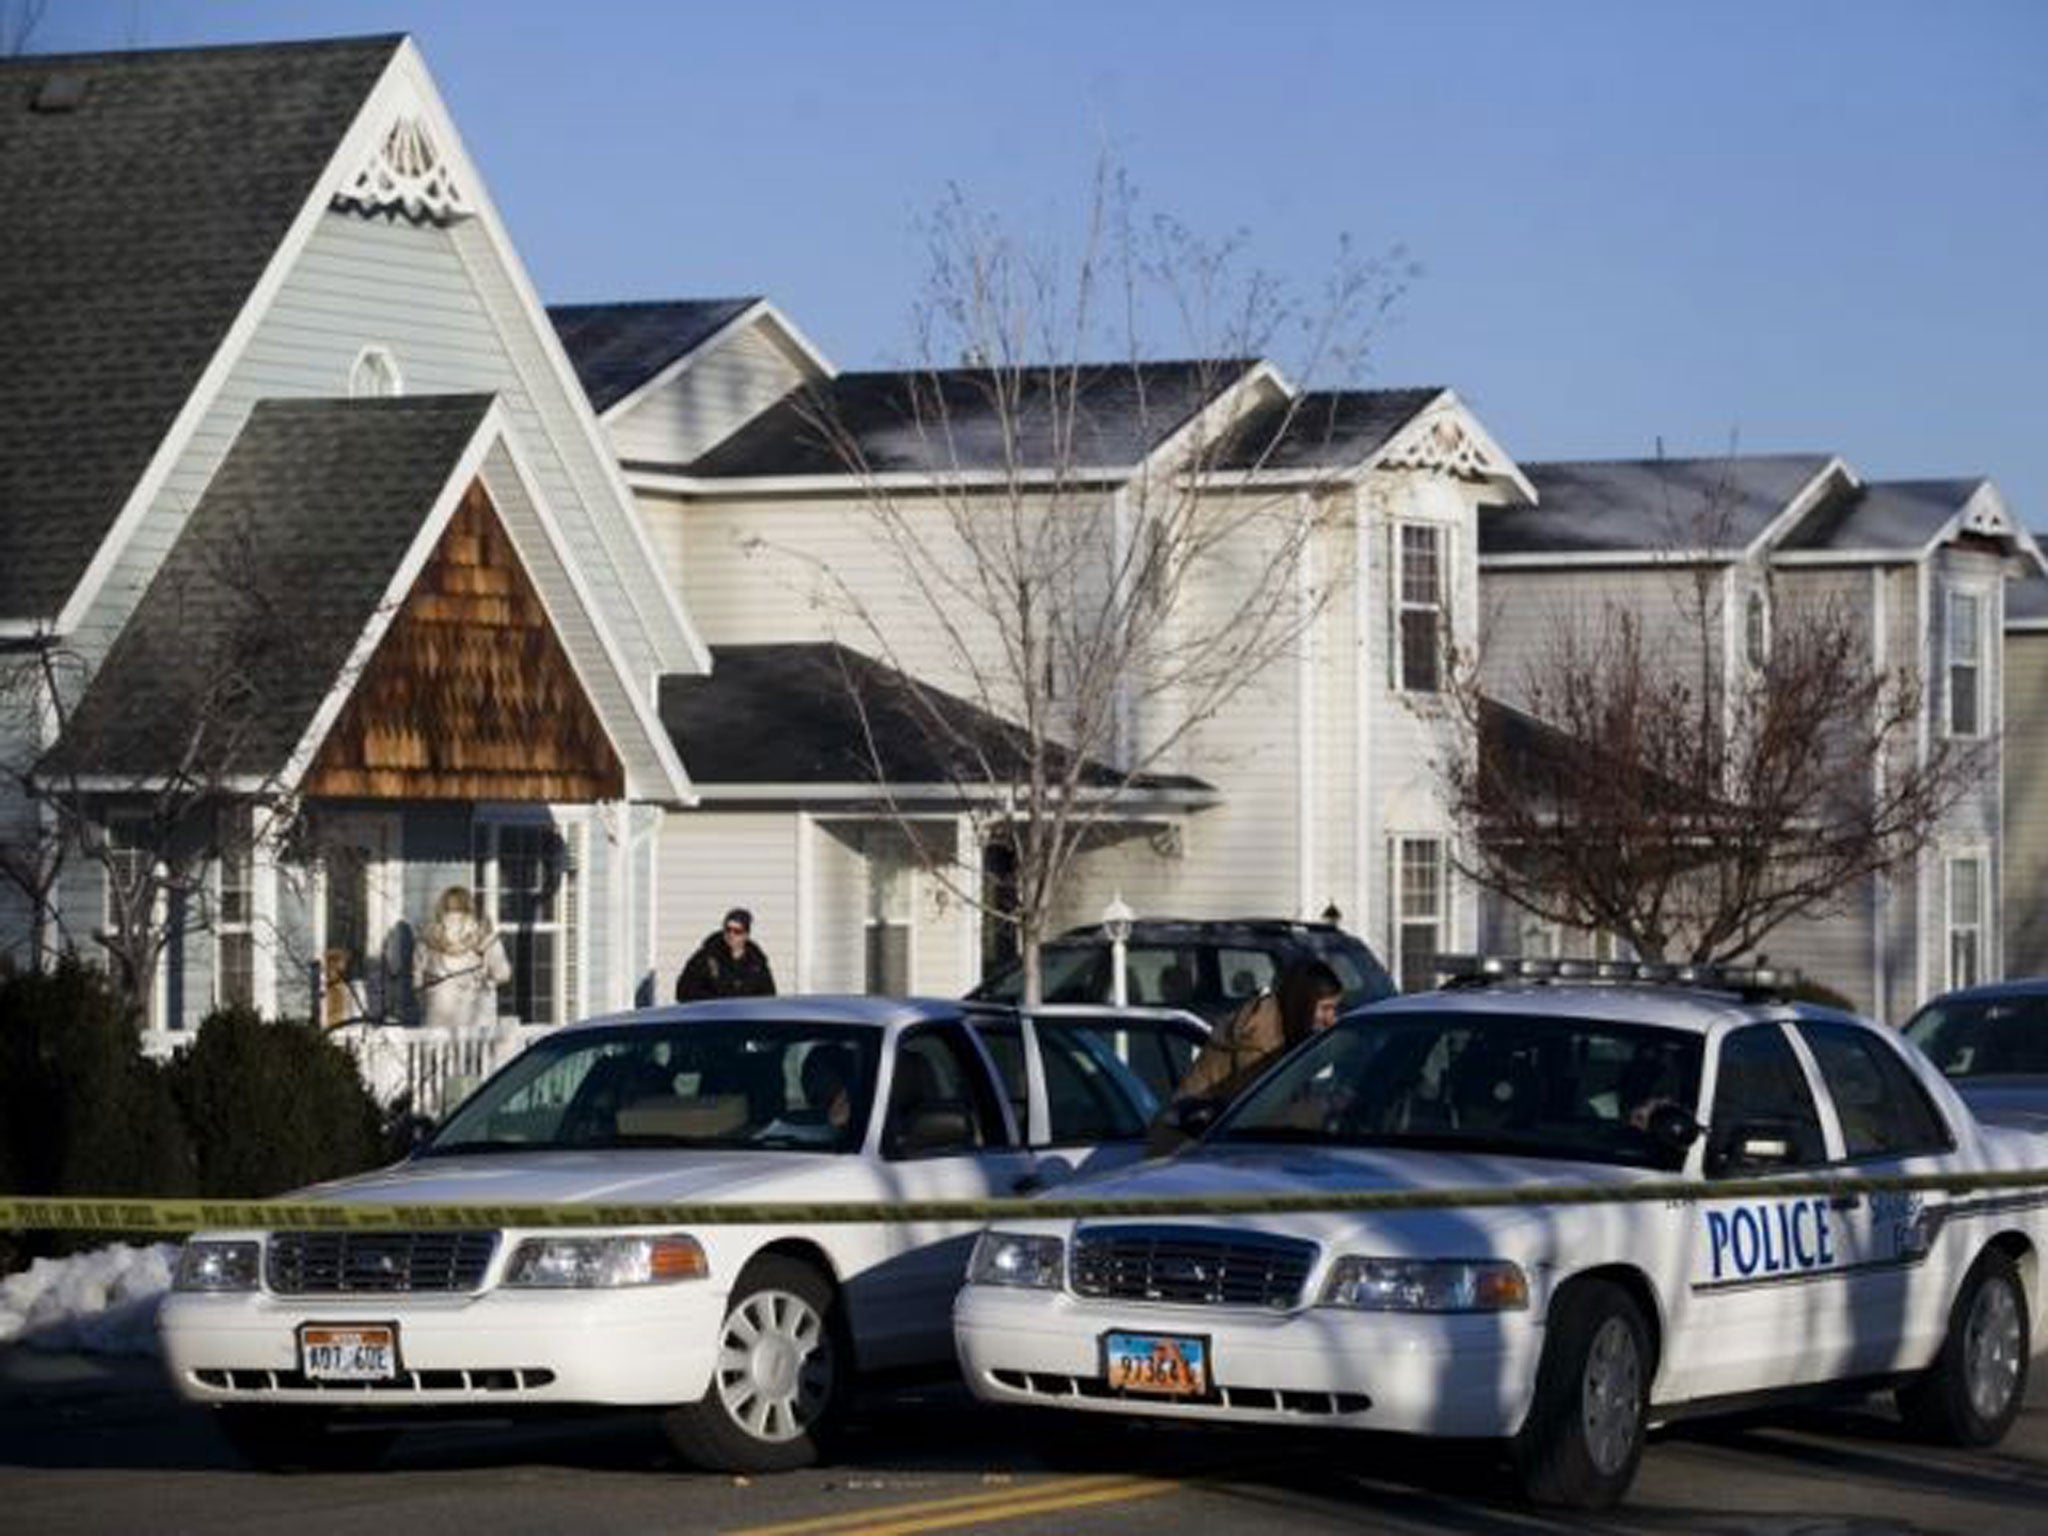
436, 1066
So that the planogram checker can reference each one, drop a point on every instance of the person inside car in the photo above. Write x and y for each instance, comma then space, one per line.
1302, 1002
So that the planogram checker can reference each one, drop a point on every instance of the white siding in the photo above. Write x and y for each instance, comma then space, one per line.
715, 393
712, 861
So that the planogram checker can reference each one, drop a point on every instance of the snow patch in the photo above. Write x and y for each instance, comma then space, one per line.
101, 1303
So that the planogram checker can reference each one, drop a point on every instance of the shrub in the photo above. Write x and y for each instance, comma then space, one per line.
273, 1106
82, 1111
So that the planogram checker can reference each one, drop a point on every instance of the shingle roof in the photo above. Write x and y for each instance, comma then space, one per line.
1649, 505
136, 225
1325, 429
275, 577
793, 714
1901, 515
618, 347
939, 421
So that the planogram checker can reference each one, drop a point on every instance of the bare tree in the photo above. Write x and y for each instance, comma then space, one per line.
19, 20
150, 789
1688, 802
1104, 611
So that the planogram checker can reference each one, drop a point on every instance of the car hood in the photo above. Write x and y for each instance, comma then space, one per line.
1307, 1171
622, 1178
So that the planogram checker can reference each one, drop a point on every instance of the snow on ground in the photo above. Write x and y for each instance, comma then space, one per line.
101, 1303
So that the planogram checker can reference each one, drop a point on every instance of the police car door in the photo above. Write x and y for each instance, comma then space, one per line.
1900, 1284
946, 1136
1767, 1274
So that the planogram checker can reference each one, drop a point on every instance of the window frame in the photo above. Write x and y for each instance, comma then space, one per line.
572, 970
1978, 930
375, 374
237, 849
1974, 663
1399, 916
1402, 606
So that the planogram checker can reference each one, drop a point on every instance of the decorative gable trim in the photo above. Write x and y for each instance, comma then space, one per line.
1447, 439
407, 177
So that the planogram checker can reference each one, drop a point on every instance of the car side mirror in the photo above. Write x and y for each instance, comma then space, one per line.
1193, 1117
1750, 1146
1670, 1126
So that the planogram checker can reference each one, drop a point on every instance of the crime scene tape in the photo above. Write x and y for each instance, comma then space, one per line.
105, 1214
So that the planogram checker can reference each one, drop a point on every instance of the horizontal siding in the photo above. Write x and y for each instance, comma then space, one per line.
712, 861
2026, 804
1529, 614
705, 403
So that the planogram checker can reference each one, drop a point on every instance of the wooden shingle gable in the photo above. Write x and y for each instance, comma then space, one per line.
470, 694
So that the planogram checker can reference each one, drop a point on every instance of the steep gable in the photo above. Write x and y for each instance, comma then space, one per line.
470, 694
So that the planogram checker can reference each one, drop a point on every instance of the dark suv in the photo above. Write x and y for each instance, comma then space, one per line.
1207, 967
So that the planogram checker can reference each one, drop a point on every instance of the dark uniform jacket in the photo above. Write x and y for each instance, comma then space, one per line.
713, 972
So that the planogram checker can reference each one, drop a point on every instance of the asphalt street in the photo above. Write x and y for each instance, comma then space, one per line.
90, 1445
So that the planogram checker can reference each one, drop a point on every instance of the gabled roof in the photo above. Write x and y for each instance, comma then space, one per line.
810, 716
953, 420
616, 348
277, 575
1651, 506
1324, 429
1889, 516
138, 220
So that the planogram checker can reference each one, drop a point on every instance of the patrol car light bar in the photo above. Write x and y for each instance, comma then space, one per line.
1478, 970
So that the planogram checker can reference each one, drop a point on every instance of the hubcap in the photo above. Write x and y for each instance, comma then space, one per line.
774, 1365
1612, 1399
1991, 1350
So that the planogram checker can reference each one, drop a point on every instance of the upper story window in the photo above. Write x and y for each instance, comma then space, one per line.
1419, 608
1964, 645
375, 375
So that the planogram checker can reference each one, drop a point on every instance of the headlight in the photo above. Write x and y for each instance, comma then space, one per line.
1014, 1258
1426, 1285
589, 1263
210, 1266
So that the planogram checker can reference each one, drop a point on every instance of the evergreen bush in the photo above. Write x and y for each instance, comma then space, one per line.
271, 1106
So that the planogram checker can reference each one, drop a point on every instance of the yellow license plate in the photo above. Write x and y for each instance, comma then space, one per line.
348, 1351
1162, 1364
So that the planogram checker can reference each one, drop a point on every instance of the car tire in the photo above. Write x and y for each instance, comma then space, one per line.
781, 1380
291, 1439
1973, 1391
1582, 1440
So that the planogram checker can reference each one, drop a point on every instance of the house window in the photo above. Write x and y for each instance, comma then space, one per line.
891, 889
1419, 885
129, 891
375, 375
1419, 608
528, 874
1965, 921
234, 914
1756, 631
1965, 642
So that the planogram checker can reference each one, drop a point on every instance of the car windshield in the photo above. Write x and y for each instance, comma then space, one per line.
718, 1084
1070, 972
1984, 1036
1574, 1089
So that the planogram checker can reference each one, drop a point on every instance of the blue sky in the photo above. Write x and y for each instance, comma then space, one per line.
1784, 226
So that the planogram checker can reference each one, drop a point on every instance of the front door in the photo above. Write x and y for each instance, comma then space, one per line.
359, 912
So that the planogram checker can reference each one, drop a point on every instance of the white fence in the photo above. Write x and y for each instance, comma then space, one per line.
435, 1066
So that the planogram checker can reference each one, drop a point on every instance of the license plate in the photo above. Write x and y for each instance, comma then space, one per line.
1164, 1364
348, 1351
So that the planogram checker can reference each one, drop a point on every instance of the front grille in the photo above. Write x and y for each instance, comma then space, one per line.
1191, 1265
374, 1263
1278, 1400
498, 1379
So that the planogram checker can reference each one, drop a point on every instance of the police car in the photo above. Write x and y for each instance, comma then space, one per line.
311, 1344
1565, 1329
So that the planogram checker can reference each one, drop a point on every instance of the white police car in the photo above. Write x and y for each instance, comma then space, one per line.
310, 1343
1567, 1329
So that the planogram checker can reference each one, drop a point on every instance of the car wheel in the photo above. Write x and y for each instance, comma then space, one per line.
780, 1382
288, 1439
1973, 1391
1584, 1434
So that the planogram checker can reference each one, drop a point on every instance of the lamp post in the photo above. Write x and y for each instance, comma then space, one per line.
1116, 922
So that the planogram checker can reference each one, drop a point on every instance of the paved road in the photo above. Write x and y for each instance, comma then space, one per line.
92, 1446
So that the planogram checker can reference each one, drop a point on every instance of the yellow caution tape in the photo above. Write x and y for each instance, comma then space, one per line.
101, 1214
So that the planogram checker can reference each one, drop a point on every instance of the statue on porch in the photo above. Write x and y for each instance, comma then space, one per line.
458, 963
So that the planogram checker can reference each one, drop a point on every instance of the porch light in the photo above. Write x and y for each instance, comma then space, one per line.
1116, 922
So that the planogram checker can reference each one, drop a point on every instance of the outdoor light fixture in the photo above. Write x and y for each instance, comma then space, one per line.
1116, 923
